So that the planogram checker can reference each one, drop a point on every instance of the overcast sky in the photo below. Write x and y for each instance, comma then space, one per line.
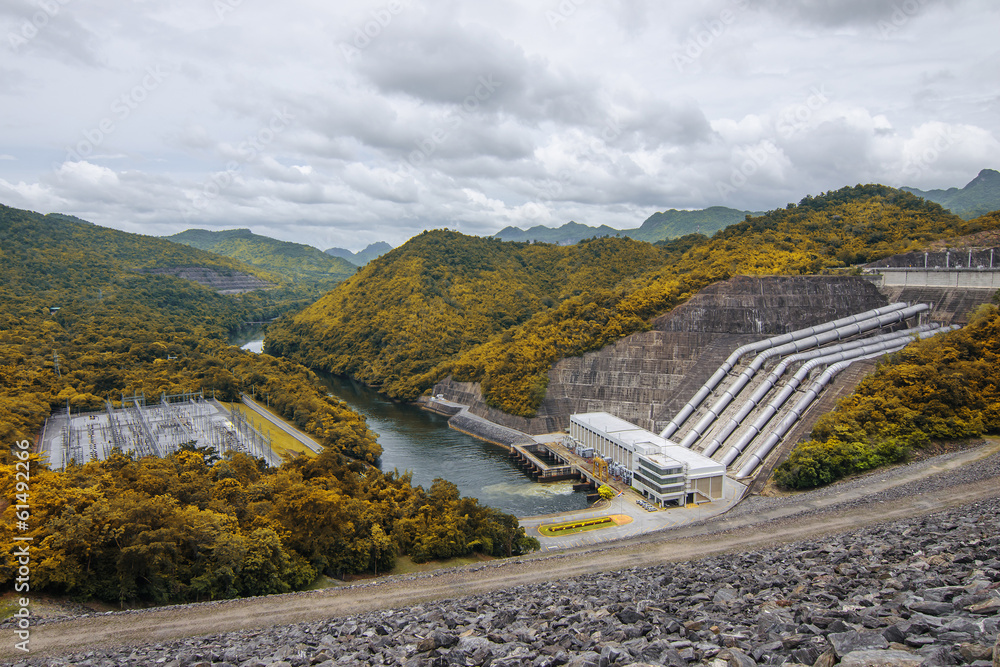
344, 123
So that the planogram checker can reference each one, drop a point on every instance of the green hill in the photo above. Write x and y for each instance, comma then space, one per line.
979, 197
673, 224
502, 313
571, 232
662, 226
441, 293
291, 261
361, 257
120, 315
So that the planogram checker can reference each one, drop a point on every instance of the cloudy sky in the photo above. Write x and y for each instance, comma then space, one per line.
345, 123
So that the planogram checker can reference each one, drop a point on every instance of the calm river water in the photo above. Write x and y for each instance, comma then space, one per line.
421, 442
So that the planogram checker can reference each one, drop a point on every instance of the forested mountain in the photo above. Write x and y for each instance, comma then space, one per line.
503, 313
440, 294
571, 232
980, 196
361, 257
673, 224
663, 226
181, 528
291, 261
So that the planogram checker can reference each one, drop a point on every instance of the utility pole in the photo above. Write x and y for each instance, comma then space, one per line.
55, 357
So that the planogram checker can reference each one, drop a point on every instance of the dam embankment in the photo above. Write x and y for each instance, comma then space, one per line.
647, 377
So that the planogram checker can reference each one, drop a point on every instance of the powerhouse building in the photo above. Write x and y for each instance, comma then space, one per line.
662, 470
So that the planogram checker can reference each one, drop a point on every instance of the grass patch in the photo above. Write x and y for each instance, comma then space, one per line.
8, 608
571, 527
405, 565
281, 442
323, 581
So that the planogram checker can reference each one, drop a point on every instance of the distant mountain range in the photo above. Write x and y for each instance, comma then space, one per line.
361, 257
291, 261
980, 196
571, 232
662, 226
294, 261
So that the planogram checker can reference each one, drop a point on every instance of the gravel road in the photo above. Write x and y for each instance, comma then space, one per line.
942, 483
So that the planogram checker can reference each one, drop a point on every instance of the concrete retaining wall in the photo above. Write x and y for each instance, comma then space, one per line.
646, 377
953, 279
484, 430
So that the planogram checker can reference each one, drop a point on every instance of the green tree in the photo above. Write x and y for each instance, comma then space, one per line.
381, 545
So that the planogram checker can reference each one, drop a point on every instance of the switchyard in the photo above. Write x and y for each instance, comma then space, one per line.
153, 430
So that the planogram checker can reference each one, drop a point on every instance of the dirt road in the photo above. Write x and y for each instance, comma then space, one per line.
747, 532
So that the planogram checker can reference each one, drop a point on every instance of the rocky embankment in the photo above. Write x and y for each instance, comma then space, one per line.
920, 592
235, 282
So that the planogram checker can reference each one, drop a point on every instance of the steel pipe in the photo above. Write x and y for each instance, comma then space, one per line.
765, 387
814, 340
775, 405
799, 409
759, 346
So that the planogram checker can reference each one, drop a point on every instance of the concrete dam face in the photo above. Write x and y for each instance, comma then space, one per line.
647, 377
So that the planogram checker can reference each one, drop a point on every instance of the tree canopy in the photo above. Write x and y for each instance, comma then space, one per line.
81, 323
176, 529
292, 261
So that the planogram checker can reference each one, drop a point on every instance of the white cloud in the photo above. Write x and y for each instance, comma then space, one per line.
479, 116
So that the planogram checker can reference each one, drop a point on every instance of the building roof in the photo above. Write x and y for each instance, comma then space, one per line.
649, 444
662, 461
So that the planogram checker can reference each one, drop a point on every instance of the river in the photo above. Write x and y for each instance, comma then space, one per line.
422, 443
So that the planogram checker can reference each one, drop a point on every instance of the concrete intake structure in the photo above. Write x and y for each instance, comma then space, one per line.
647, 377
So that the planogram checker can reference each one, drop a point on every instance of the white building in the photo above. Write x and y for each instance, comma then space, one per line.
661, 470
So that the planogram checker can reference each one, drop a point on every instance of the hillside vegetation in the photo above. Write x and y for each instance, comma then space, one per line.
503, 313
292, 261
673, 224
180, 528
116, 323
980, 196
942, 388
571, 232
185, 527
441, 294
